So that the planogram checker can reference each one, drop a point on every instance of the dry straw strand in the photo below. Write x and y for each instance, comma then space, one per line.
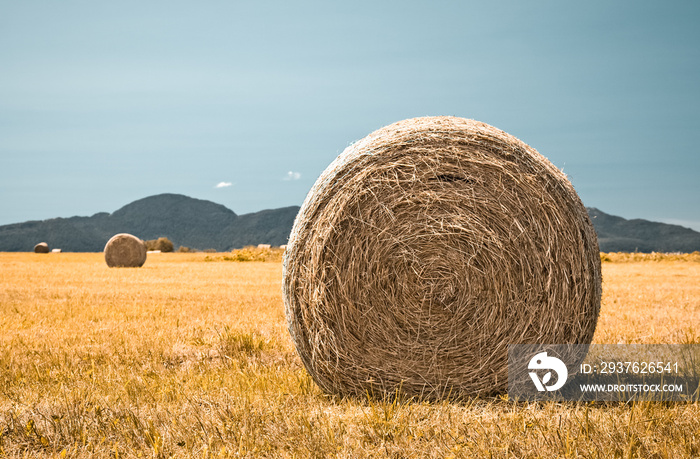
125, 251
428, 247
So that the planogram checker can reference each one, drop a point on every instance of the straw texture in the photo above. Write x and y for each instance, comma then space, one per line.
125, 251
428, 247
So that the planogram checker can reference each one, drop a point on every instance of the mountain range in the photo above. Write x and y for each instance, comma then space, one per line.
201, 224
186, 221
616, 234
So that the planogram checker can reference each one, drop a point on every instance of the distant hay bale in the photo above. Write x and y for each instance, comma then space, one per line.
41, 247
55, 250
428, 247
125, 251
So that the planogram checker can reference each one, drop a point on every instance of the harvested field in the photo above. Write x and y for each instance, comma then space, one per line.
190, 358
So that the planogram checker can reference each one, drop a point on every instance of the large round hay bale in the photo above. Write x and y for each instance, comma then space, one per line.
428, 247
41, 247
125, 251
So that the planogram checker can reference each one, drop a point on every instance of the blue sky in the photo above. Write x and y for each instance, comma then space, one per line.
102, 103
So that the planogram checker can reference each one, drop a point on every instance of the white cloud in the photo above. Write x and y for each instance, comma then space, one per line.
292, 175
223, 184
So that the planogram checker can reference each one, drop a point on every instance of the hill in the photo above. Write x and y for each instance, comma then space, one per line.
185, 221
203, 224
616, 234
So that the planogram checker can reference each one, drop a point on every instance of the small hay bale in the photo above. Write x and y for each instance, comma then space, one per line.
125, 251
56, 250
41, 247
428, 247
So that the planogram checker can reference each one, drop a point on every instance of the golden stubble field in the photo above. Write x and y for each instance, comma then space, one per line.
191, 358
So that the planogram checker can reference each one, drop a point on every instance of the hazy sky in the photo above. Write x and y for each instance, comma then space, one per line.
245, 103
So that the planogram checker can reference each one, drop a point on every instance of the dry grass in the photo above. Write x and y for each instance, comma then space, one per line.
650, 301
125, 251
192, 359
428, 247
626, 257
41, 247
250, 253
